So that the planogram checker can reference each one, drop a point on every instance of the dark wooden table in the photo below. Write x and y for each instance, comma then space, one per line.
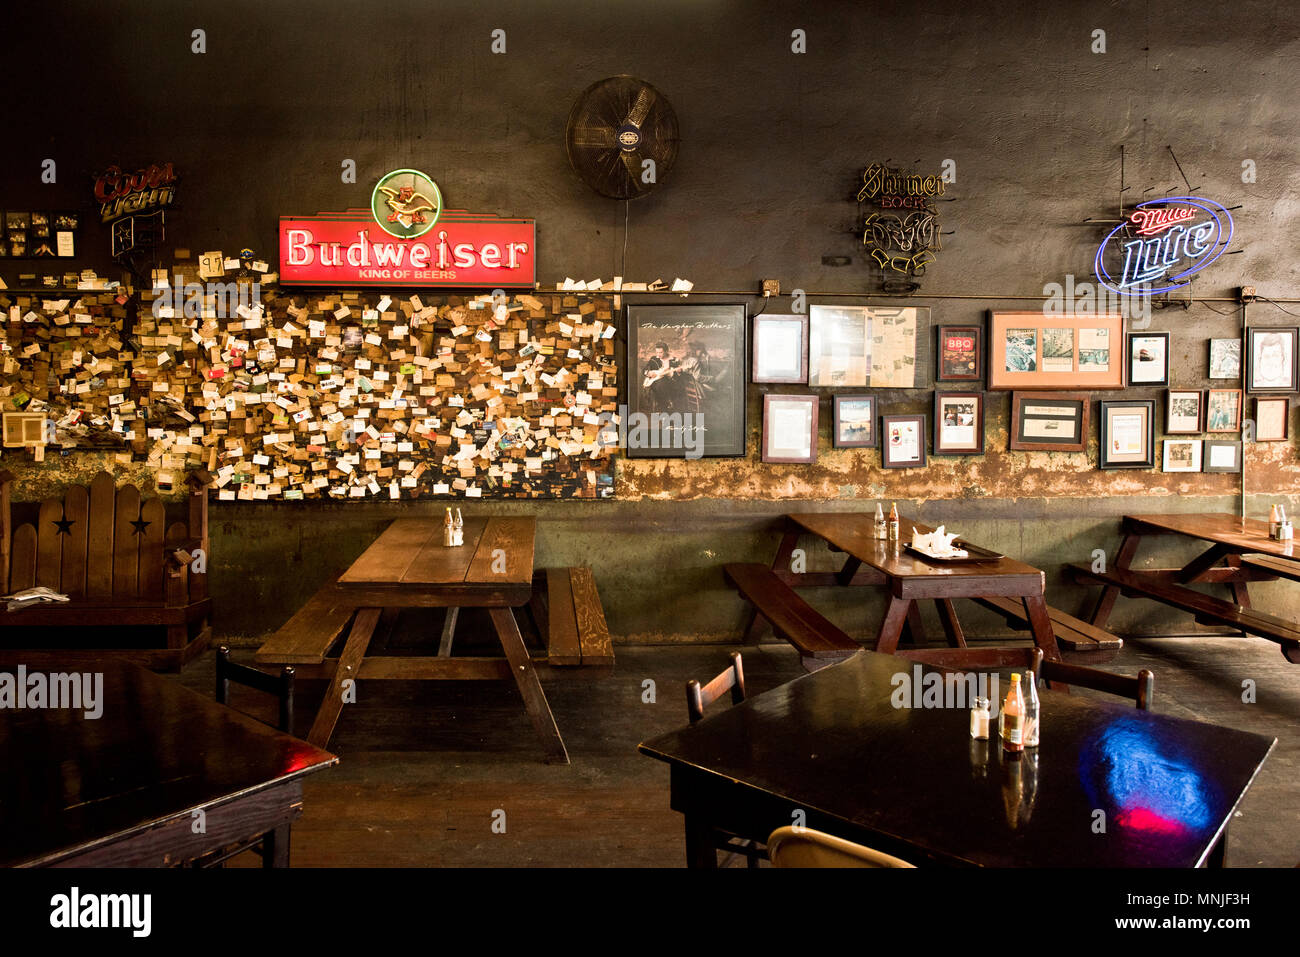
912, 579
125, 789
408, 567
830, 751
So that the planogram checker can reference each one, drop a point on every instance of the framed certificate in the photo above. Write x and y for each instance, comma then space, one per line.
1127, 434
902, 441
959, 423
790, 428
780, 349
1272, 419
1222, 455
1049, 421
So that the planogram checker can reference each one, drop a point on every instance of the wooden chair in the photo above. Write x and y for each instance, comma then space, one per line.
697, 699
280, 685
1141, 690
118, 561
267, 846
804, 847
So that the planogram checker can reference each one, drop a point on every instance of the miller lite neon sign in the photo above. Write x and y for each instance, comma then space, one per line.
1162, 244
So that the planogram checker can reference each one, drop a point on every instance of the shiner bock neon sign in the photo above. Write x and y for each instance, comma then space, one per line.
1162, 244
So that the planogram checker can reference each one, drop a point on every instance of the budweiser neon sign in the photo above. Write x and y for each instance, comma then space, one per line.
410, 240
1162, 244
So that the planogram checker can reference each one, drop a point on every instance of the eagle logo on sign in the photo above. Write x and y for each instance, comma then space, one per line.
406, 203
408, 207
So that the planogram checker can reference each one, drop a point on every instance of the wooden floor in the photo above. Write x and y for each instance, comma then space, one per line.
427, 766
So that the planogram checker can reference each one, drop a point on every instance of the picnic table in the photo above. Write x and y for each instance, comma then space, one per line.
1011, 588
407, 566
1240, 552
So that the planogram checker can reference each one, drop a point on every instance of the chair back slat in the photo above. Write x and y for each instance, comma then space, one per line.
22, 560
99, 544
1140, 689
76, 507
150, 543
126, 553
49, 544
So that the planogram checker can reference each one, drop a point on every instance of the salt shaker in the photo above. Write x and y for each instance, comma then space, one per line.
979, 719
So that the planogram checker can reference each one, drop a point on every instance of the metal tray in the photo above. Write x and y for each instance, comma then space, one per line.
974, 554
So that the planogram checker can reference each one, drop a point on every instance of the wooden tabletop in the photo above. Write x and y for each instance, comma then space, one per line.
912, 781
157, 752
1231, 531
497, 551
854, 533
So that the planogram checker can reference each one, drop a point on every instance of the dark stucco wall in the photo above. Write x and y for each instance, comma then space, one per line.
771, 144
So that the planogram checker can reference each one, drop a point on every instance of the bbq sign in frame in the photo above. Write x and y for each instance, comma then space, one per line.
407, 238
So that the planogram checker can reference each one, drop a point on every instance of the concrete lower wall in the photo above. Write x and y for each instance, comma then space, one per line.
658, 564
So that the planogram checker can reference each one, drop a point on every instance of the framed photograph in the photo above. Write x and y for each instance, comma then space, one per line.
780, 349
960, 352
1148, 358
790, 428
1222, 455
854, 422
1271, 363
1225, 359
686, 381
1032, 351
1182, 455
1223, 410
959, 423
1049, 422
902, 441
1272, 419
1128, 434
1183, 412
839, 345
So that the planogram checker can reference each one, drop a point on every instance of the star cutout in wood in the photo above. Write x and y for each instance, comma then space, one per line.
64, 525
140, 525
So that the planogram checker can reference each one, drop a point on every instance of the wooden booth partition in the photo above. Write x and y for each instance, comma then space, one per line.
117, 561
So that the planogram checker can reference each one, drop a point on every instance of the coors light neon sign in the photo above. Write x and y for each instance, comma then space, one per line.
1162, 245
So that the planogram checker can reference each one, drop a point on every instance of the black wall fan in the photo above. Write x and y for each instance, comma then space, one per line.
614, 127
